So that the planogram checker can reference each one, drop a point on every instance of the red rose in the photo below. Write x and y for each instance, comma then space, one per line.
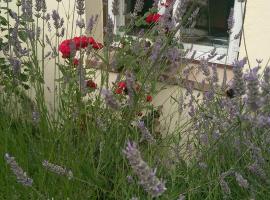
122, 85
76, 62
91, 84
64, 48
149, 98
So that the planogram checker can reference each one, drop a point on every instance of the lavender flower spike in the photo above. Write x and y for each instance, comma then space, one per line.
146, 175
57, 169
146, 135
18, 171
115, 7
238, 80
109, 99
80, 7
253, 89
241, 181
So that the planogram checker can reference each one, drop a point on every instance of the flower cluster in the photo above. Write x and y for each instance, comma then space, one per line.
70, 46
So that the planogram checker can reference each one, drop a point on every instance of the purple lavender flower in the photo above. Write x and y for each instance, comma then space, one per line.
181, 197
57, 21
257, 170
18, 171
57, 169
253, 89
80, 7
109, 29
156, 50
146, 175
115, 7
204, 66
238, 79
241, 181
90, 24
16, 65
80, 23
265, 86
224, 186
130, 81
181, 10
138, 6
27, 11
146, 135
110, 100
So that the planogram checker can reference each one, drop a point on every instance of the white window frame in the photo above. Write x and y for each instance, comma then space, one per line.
202, 51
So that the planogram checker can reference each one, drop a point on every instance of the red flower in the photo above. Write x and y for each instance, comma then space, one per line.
91, 84
152, 18
118, 91
76, 62
149, 98
81, 42
156, 17
64, 48
149, 18
97, 45
91, 40
122, 85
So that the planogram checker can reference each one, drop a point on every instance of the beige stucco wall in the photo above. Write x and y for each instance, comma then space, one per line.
257, 31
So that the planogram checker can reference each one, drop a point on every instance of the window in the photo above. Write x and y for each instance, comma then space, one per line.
209, 30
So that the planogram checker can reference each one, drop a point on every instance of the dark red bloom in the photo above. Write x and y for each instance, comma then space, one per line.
149, 98
64, 48
91, 84
118, 91
97, 45
122, 85
152, 18
156, 17
91, 40
81, 42
76, 62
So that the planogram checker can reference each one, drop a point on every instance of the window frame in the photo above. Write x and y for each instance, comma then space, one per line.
202, 51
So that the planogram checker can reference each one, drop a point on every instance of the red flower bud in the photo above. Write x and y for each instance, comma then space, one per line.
149, 98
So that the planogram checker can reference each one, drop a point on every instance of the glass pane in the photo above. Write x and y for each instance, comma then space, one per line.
211, 22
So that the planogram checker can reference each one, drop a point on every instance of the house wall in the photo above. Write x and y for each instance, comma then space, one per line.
257, 31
